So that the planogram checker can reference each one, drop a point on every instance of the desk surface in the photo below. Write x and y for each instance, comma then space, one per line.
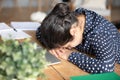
65, 69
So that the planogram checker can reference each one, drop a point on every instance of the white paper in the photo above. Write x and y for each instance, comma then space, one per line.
25, 25
4, 26
11, 34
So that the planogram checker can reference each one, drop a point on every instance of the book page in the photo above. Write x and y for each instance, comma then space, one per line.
4, 26
25, 25
12, 34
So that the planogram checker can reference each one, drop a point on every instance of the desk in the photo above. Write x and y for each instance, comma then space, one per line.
65, 69
61, 71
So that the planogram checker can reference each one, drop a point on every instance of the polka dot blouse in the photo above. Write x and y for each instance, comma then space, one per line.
101, 39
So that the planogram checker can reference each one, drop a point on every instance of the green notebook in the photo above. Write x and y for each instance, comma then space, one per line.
104, 76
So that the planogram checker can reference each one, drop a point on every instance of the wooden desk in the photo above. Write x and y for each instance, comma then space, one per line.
65, 69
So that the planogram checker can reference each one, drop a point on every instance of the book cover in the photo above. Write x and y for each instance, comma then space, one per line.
51, 59
103, 76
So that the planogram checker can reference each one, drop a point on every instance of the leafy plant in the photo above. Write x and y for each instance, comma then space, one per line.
19, 61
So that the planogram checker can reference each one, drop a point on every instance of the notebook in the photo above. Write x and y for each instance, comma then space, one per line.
25, 25
103, 76
50, 58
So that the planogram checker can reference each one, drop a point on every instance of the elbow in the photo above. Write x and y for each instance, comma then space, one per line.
106, 69
103, 69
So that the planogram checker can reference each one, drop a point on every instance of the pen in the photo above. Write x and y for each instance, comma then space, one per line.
14, 29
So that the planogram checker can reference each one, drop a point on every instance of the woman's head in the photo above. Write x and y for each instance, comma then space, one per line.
55, 28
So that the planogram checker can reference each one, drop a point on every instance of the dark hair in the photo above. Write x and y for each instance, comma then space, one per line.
55, 28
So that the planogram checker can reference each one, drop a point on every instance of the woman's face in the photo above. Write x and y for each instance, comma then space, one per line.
76, 32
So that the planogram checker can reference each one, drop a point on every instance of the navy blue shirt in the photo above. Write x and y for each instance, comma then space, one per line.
101, 39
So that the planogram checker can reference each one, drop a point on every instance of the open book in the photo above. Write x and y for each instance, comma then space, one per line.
25, 25
6, 32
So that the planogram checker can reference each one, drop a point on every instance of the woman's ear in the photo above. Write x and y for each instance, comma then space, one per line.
73, 31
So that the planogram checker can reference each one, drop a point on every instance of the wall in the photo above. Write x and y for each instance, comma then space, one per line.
24, 3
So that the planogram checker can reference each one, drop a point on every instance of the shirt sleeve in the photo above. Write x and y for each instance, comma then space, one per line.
104, 49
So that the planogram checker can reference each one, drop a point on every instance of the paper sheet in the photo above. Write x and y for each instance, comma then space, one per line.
25, 25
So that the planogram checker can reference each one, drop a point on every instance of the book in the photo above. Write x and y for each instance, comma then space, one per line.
51, 59
6, 32
103, 76
25, 25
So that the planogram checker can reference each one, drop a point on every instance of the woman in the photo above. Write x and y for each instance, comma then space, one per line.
69, 34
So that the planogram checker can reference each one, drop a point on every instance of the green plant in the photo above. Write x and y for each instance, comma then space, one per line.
19, 61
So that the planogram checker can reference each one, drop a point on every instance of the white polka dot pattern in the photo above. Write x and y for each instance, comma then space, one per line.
100, 38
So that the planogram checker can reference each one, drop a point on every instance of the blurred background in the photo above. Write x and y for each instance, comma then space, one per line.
36, 10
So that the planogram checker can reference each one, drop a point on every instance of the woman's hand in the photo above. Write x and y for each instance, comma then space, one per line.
61, 52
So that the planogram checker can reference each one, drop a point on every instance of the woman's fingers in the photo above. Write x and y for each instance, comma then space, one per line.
61, 52
54, 52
